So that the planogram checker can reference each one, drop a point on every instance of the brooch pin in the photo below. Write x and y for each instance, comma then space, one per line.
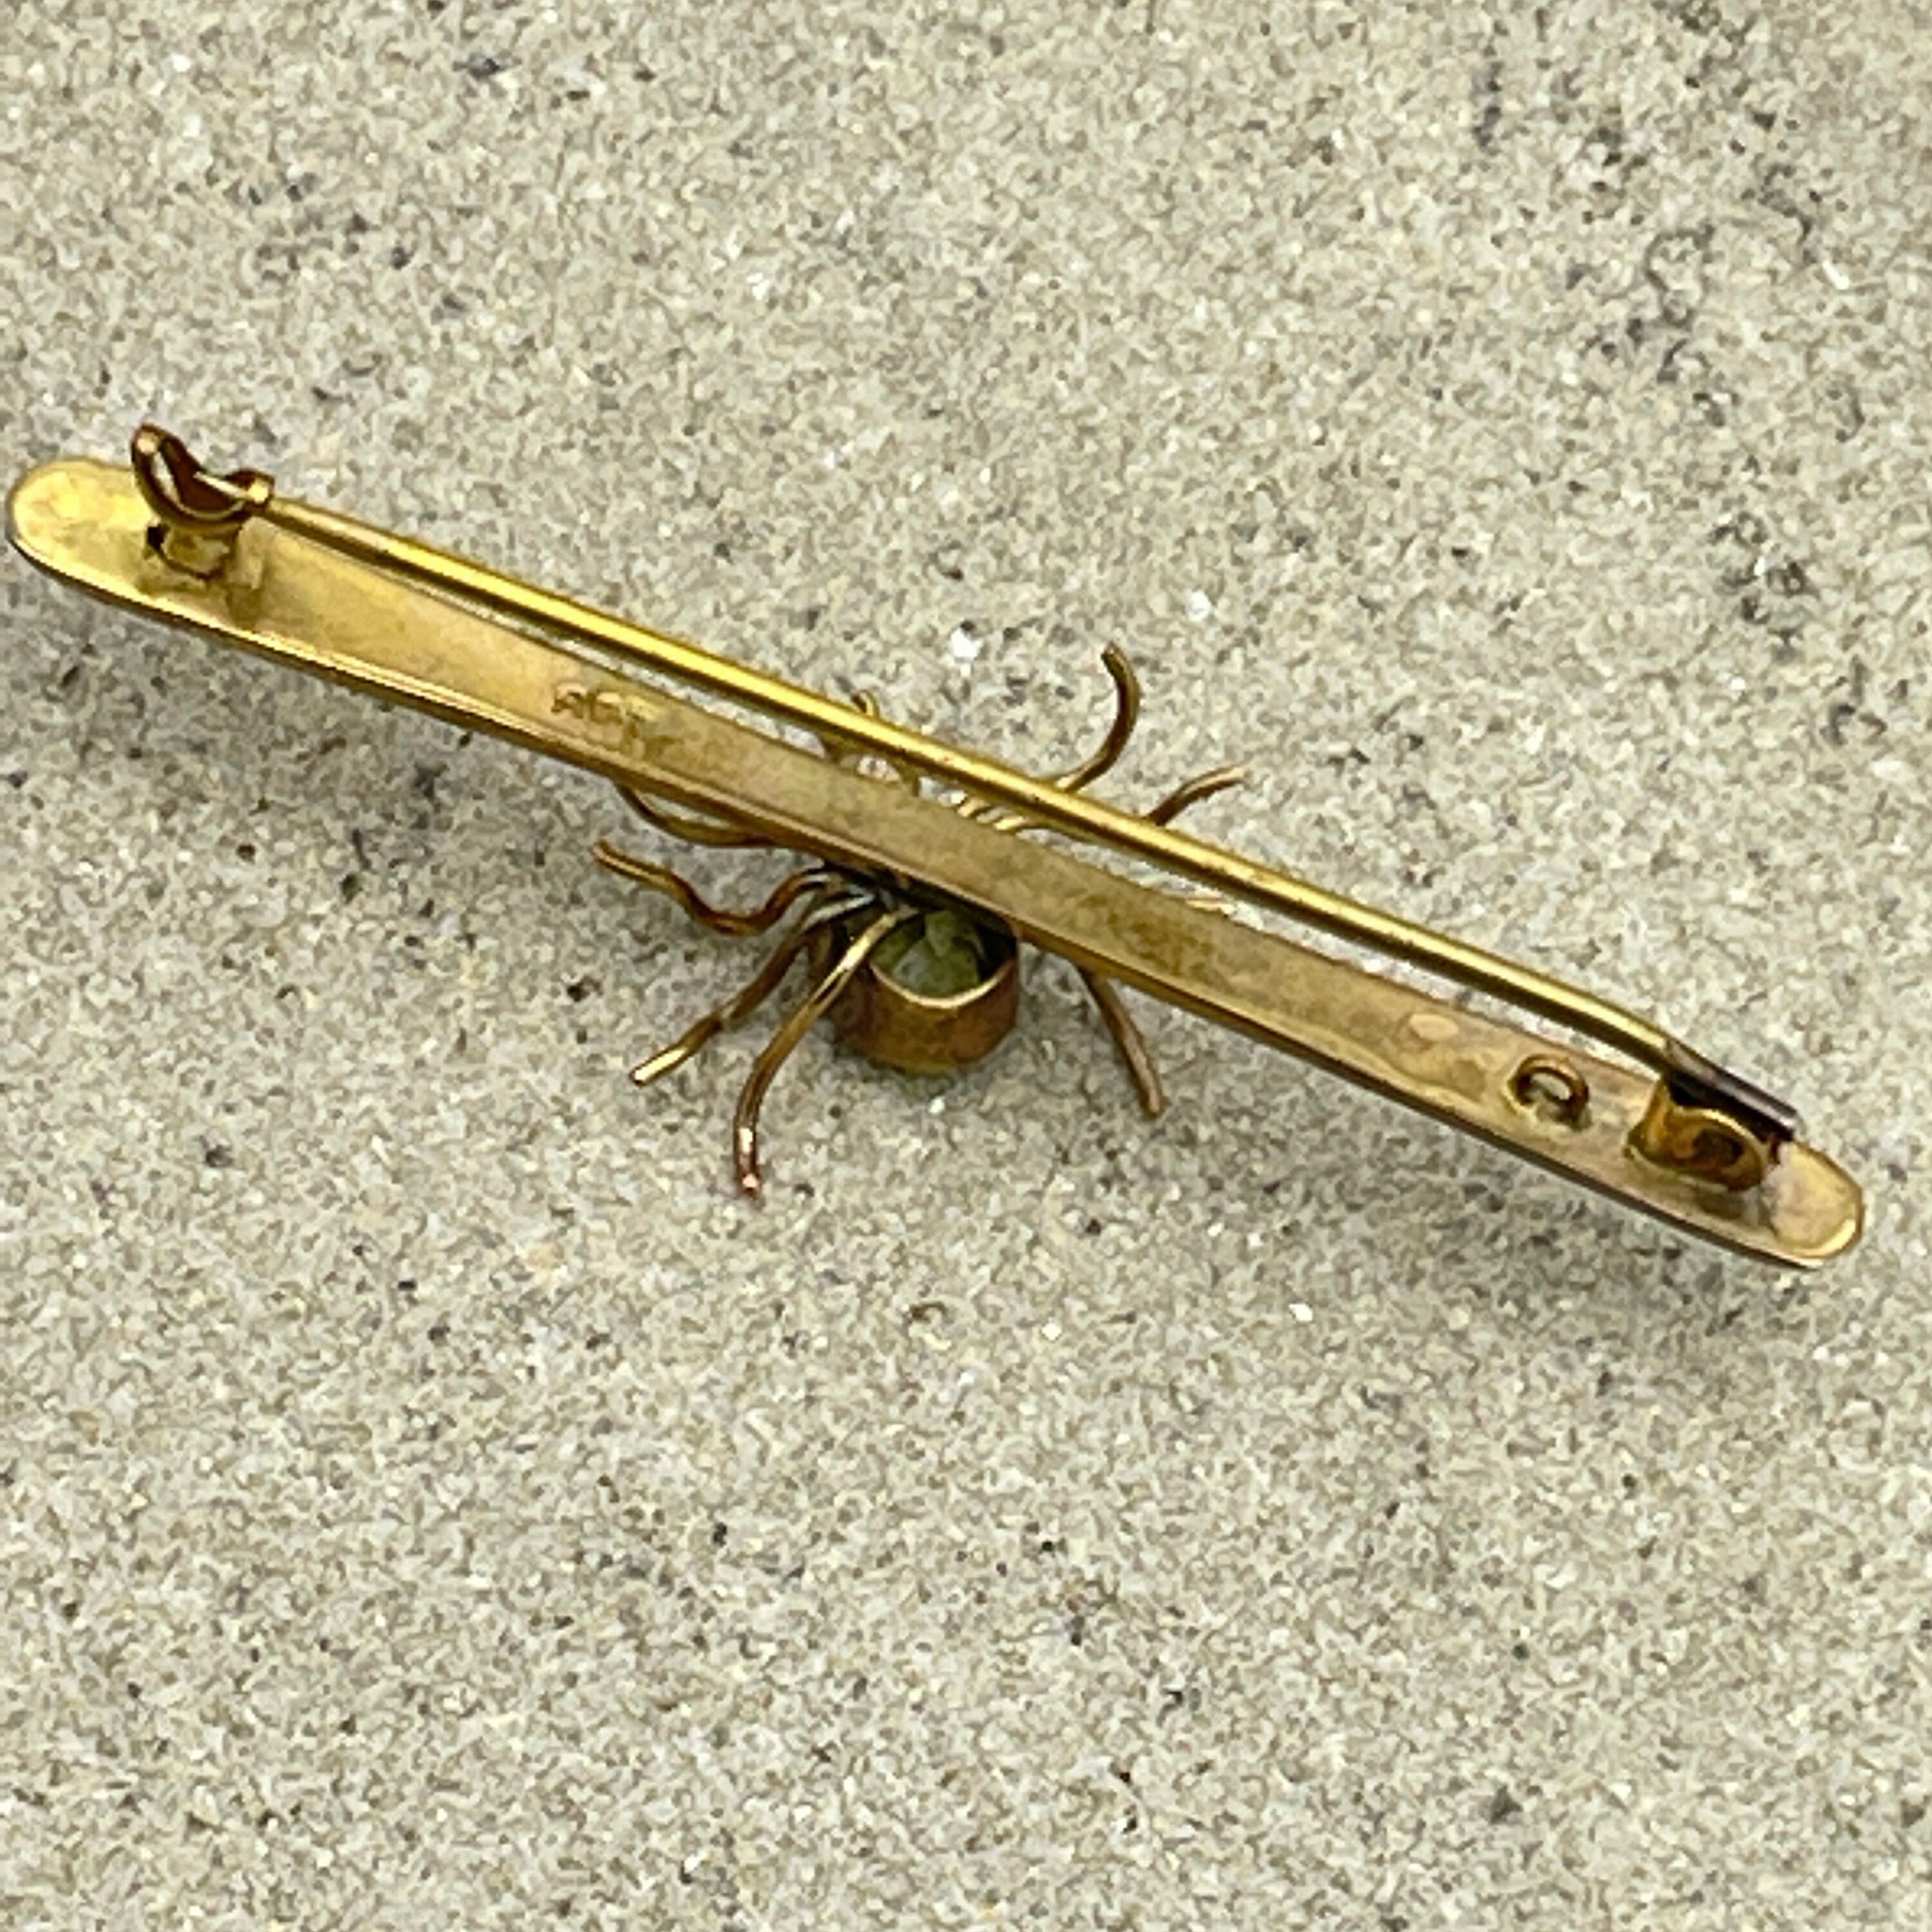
923, 874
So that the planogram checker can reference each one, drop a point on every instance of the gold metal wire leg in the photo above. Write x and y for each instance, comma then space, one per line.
742, 1004
798, 1023
1129, 1042
1126, 715
725, 920
1204, 784
693, 830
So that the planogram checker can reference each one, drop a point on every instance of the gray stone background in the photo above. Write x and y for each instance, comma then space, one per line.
428, 1497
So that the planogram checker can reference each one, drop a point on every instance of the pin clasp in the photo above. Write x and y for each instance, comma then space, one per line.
1701, 1142
199, 515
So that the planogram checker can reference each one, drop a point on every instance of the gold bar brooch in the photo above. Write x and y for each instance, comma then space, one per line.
920, 877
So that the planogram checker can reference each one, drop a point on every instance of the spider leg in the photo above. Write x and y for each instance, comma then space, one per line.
756, 991
1126, 715
1204, 784
1129, 1041
797, 1023
694, 830
733, 924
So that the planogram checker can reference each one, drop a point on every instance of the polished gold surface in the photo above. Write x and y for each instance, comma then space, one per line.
336, 598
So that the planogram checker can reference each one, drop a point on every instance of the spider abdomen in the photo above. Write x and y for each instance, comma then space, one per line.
940, 994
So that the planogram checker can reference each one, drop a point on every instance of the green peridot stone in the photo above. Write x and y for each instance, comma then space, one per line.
937, 956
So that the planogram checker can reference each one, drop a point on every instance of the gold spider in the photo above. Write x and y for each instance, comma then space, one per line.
924, 984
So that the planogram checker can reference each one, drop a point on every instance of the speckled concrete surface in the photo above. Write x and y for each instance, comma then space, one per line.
431, 1498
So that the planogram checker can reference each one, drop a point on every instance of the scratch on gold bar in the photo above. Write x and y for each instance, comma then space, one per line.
307, 601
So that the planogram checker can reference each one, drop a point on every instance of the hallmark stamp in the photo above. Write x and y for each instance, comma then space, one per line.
622, 716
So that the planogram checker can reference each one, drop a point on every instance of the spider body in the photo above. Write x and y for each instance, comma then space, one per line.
916, 981
942, 991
